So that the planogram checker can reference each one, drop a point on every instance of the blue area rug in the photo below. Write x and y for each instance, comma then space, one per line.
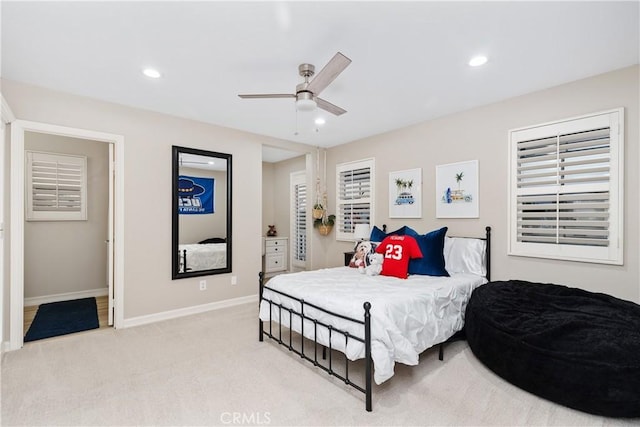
61, 318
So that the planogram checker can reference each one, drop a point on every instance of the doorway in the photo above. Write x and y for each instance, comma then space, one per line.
113, 240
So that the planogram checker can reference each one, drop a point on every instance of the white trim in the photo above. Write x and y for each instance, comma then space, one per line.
6, 118
16, 261
67, 296
18, 128
7, 114
188, 311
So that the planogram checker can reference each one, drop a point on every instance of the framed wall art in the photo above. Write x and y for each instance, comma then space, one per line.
457, 190
405, 194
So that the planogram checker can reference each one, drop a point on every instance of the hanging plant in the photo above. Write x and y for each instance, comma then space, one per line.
322, 221
325, 224
318, 211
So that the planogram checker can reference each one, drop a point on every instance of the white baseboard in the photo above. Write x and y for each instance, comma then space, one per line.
28, 302
172, 314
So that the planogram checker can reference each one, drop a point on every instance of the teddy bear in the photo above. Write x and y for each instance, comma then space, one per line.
374, 266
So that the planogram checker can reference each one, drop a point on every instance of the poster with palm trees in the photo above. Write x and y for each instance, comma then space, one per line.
457, 190
405, 194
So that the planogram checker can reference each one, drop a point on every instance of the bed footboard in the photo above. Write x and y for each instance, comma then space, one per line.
311, 355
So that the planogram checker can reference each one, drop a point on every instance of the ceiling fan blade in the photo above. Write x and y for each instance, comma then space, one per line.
267, 95
327, 106
328, 74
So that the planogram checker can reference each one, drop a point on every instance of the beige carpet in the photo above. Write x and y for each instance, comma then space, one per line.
210, 369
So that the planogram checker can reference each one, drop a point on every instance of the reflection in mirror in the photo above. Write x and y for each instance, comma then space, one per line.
201, 213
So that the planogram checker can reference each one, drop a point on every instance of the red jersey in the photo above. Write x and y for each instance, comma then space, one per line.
397, 251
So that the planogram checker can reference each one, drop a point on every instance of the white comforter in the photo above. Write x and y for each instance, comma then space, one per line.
407, 316
207, 256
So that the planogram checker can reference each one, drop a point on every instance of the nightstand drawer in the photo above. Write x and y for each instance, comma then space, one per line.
275, 242
275, 249
275, 263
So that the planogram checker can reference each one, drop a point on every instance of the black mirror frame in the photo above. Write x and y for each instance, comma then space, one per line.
175, 260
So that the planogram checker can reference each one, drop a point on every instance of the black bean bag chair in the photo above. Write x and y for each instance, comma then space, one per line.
576, 348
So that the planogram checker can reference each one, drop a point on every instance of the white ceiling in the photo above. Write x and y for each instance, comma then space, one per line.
409, 58
195, 161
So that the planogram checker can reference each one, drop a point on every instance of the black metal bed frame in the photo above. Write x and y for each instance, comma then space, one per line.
365, 321
182, 265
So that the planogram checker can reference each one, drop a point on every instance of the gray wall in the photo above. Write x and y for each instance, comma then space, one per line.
481, 134
268, 192
69, 256
282, 197
148, 138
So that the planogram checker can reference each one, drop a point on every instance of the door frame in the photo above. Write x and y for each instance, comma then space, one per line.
18, 129
6, 118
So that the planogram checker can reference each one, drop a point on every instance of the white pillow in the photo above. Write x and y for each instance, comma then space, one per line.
465, 255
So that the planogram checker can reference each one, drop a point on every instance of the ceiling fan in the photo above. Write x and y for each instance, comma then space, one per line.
307, 92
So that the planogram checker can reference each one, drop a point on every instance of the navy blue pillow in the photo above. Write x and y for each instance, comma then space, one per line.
432, 248
378, 235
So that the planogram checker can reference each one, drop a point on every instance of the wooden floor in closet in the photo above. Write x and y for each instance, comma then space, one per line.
103, 313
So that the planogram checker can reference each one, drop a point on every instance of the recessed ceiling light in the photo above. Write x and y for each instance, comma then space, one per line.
210, 162
476, 61
152, 73
320, 121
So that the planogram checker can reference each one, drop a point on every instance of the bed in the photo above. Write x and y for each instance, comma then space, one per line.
382, 320
202, 256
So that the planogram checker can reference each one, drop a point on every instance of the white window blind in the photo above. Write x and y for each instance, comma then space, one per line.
566, 189
56, 187
299, 219
354, 196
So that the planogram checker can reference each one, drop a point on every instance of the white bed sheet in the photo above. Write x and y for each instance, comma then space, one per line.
407, 316
207, 256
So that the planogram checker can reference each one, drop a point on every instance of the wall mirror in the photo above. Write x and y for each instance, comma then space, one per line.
201, 216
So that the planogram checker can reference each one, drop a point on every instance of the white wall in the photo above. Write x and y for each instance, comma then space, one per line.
481, 134
69, 256
148, 137
282, 196
268, 192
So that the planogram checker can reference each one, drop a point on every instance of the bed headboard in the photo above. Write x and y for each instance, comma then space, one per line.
487, 254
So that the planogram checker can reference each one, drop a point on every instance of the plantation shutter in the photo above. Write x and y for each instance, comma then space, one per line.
354, 196
56, 187
567, 203
298, 218
300, 223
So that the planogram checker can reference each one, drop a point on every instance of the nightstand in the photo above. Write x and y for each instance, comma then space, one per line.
347, 258
275, 254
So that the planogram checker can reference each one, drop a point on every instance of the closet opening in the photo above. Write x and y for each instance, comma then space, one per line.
67, 214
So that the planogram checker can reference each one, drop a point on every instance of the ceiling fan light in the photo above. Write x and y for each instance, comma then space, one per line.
306, 105
305, 101
152, 73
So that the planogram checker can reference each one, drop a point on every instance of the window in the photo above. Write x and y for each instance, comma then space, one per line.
56, 187
354, 196
298, 219
566, 199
